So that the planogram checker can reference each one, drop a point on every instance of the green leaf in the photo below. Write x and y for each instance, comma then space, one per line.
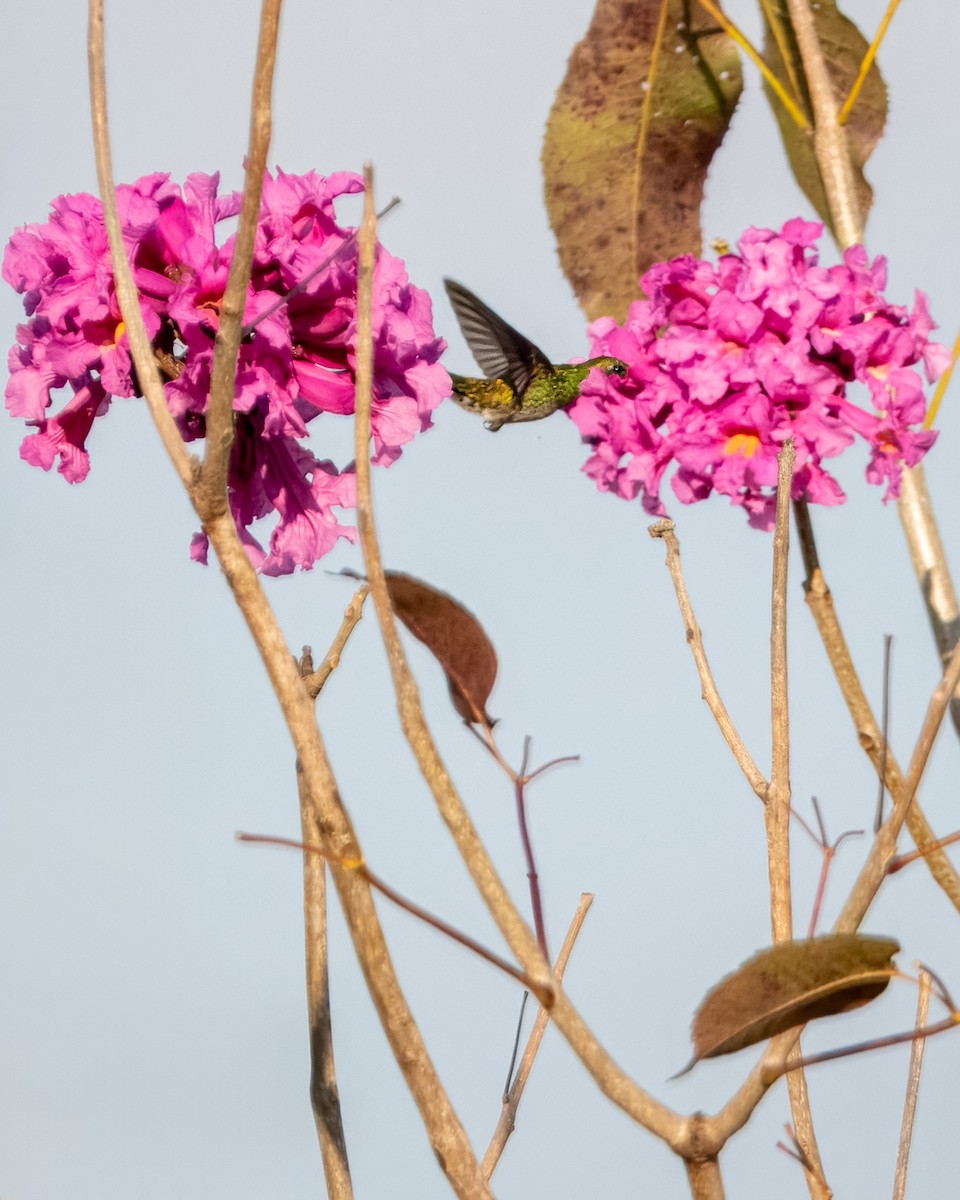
455, 638
788, 985
843, 48
625, 163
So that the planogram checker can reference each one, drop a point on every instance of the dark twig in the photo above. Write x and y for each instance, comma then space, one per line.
885, 730
543, 995
304, 283
516, 1047
511, 1102
536, 900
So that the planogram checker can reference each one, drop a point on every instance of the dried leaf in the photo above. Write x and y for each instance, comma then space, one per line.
625, 163
788, 985
843, 48
455, 638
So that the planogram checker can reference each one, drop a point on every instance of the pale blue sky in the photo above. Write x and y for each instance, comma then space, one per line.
152, 1025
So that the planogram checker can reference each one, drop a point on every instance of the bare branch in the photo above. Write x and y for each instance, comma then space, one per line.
829, 138
776, 812
323, 811
613, 1082
665, 531
777, 808
127, 296
869, 734
913, 1090
930, 566
508, 1115
314, 680
885, 843
324, 1094
212, 495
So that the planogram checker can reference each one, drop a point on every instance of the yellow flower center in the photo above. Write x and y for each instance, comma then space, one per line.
746, 444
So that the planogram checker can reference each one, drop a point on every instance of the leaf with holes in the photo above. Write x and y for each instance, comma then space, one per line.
648, 96
455, 638
788, 985
843, 48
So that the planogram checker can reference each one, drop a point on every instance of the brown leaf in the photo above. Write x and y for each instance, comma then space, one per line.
455, 638
624, 163
843, 48
788, 985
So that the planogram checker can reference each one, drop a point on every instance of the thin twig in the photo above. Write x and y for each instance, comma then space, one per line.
314, 680
820, 602
930, 567
212, 497
797, 1152
516, 1047
913, 1090
128, 298
828, 850
885, 731
415, 910
776, 813
324, 1093
885, 843
533, 878
867, 1047
302, 284
511, 1102
904, 860
665, 531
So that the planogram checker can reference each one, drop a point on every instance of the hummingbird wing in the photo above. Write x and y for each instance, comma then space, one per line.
500, 351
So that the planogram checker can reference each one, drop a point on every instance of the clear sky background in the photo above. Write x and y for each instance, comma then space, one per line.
152, 1017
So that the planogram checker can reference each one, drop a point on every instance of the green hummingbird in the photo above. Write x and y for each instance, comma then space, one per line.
521, 383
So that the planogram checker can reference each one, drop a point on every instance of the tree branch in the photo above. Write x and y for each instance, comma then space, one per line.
664, 530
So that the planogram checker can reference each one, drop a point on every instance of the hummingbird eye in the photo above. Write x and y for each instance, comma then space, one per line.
618, 368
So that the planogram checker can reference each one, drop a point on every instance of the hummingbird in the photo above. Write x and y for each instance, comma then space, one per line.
521, 383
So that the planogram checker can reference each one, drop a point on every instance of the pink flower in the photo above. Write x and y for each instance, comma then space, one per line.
296, 360
728, 360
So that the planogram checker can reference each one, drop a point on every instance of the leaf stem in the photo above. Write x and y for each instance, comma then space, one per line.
867, 63
942, 384
756, 58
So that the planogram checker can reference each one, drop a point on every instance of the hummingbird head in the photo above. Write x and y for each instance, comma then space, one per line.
609, 366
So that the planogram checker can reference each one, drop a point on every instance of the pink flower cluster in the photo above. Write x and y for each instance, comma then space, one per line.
296, 359
727, 360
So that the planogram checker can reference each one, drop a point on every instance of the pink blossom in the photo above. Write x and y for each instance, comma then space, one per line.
728, 360
296, 359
